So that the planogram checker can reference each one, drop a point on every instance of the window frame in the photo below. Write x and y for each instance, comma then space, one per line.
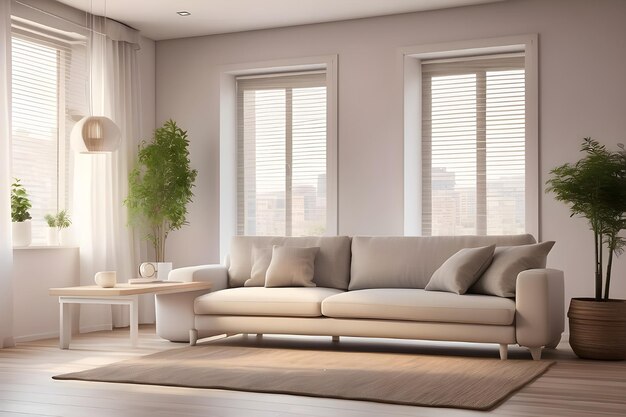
228, 136
409, 64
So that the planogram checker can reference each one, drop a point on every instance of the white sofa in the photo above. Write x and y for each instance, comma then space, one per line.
367, 287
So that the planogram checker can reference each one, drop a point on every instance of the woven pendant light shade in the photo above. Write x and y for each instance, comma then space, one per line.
95, 134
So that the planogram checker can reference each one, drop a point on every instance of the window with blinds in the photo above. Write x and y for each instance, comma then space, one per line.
48, 95
281, 154
473, 146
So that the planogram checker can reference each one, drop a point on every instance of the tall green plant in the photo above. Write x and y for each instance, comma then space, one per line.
595, 188
20, 203
160, 185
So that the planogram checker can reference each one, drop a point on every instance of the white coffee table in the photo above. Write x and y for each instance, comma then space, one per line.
121, 294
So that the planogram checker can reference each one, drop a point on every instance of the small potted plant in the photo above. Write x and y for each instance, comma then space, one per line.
20, 216
595, 188
159, 188
56, 225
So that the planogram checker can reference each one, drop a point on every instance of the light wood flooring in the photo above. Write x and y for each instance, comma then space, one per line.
572, 387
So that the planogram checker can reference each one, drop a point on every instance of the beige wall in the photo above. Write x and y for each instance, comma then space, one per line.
582, 48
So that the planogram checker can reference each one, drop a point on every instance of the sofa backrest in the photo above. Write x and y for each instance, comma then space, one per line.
332, 263
410, 261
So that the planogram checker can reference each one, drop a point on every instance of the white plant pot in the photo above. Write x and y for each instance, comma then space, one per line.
66, 237
53, 236
21, 233
163, 270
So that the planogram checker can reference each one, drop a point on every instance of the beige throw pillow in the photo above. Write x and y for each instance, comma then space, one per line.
291, 267
461, 270
261, 258
508, 261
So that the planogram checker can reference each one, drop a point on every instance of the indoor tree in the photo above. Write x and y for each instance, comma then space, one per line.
160, 185
595, 188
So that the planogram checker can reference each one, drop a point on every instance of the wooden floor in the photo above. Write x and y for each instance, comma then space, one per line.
570, 388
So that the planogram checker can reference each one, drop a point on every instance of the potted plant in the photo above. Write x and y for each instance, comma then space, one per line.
160, 187
57, 223
595, 188
20, 216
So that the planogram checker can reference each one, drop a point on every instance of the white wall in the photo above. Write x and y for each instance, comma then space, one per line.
35, 313
582, 63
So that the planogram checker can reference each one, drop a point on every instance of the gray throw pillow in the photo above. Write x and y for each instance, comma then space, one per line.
291, 267
508, 261
261, 258
461, 270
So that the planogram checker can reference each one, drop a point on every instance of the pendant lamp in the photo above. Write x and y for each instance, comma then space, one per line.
95, 134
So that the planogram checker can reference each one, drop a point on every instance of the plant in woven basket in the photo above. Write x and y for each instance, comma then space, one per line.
160, 185
595, 188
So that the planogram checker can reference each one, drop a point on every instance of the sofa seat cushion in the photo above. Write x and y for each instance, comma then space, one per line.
420, 305
261, 301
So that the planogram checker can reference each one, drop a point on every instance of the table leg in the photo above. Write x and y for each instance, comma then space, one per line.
134, 321
65, 320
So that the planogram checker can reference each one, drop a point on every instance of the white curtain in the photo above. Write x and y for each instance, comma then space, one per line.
6, 250
101, 180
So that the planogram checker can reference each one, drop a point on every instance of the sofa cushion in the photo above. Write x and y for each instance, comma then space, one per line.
332, 263
291, 267
410, 261
461, 270
420, 305
261, 301
261, 258
508, 261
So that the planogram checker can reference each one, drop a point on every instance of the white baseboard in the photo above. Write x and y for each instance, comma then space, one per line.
36, 336
96, 328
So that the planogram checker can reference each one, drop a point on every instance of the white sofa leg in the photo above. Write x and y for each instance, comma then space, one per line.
535, 352
504, 351
193, 337
335, 339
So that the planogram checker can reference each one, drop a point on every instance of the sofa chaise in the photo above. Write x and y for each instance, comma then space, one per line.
372, 287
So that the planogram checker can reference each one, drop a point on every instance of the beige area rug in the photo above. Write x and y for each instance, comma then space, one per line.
400, 378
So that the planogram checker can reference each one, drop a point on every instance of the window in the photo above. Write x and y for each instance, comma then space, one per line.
48, 95
282, 154
473, 145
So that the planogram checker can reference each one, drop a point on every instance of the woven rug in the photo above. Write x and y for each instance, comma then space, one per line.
400, 378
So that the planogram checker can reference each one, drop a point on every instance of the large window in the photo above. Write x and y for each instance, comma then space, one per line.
282, 154
48, 96
473, 145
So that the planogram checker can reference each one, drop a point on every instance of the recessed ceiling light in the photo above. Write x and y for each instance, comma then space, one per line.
184, 13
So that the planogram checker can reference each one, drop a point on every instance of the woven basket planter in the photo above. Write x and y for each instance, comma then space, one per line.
598, 328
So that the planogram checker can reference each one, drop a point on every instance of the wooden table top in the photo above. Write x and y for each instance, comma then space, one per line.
130, 289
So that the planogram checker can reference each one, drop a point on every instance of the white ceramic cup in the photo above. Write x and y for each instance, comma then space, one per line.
106, 279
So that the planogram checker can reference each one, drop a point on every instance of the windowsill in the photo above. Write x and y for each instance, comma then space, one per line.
43, 247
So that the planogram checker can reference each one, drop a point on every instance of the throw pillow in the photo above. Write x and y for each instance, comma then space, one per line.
291, 267
461, 270
508, 261
261, 258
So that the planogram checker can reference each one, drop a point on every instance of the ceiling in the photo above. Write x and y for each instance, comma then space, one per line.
157, 19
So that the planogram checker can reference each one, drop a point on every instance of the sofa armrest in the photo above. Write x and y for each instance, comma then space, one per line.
174, 312
216, 274
539, 305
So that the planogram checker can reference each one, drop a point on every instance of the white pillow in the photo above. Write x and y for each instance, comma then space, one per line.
508, 261
261, 258
461, 270
291, 267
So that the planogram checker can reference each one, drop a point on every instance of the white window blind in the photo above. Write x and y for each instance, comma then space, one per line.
473, 146
281, 154
48, 94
